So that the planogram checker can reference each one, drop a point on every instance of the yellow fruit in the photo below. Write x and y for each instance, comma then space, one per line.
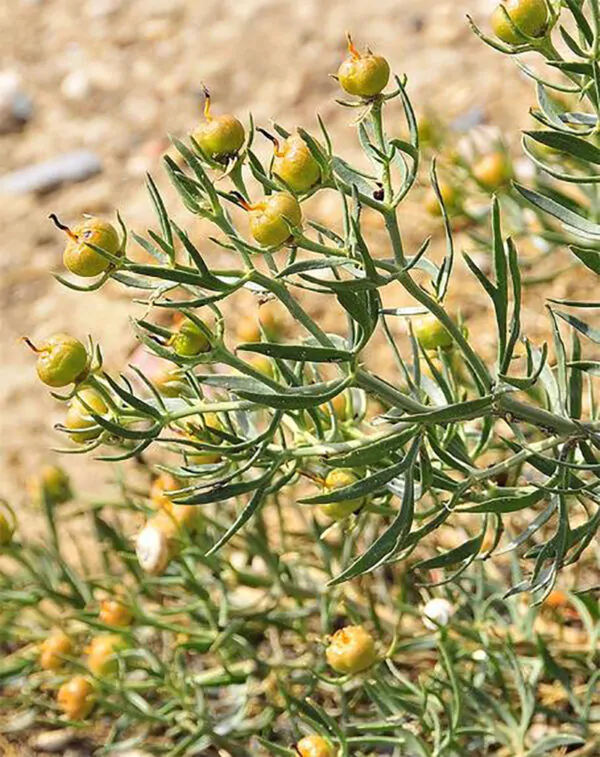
270, 218
529, 16
55, 484
54, 649
431, 334
263, 364
189, 340
363, 74
314, 746
492, 171
351, 650
83, 260
102, 654
338, 478
114, 613
219, 137
78, 417
76, 698
294, 163
449, 196
62, 359
170, 383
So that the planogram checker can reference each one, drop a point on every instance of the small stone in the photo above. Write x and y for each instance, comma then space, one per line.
50, 174
54, 742
76, 85
16, 107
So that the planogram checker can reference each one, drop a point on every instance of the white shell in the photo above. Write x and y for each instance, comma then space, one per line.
437, 612
152, 549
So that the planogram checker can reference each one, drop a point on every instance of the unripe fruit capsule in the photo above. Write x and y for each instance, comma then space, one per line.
62, 359
529, 16
314, 746
114, 613
55, 483
295, 165
82, 259
449, 196
78, 417
271, 218
155, 544
338, 478
363, 74
351, 650
492, 171
189, 340
54, 649
221, 136
102, 654
431, 333
76, 698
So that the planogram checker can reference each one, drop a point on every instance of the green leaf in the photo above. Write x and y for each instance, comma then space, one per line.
506, 504
568, 144
581, 326
551, 743
589, 258
375, 451
571, 221
299, 352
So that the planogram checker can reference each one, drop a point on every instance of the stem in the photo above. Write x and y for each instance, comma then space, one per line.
386, 174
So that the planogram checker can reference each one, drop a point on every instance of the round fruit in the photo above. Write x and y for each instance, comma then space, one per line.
220, 136
271, 218
78, 417
294, 163
114, 613
528, 16
189, 340
62, 359
492, 171
431, 333
55, 483
351, 650
76, 698
314, 746
171, 383
437, 612
6, 531
54, 649
363, 74
341, 406
102, 654
338, 478
449, 196
263, 365
83, 260
155, 544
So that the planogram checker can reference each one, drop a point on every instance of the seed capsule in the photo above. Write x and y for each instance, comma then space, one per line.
182, 515
338, 478
6, 531
363, 74
76, 698
431, 333
219, 137
270, 218
82, 259
529, 16
62, 359
102, 654
314, 746
171, 383
189, 340
78, 417
351, 650
55, 483
155, 544
114, 613
54, 649
492, 171
437, 612
294, 163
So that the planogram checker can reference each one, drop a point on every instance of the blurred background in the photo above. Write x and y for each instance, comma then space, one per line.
95, 87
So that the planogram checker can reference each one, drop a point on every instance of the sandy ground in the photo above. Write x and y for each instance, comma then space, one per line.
116, 77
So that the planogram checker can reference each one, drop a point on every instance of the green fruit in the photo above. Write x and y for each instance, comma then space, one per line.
267, 224
78, 417
62, 359
294, 163
529, 16
6, 531
431, 334
83, 260
189, 340
363, 74
338, 478
55, 484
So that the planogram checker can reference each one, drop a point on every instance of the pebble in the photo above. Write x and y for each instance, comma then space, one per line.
54, 742
50, 174
76, 85
16, 107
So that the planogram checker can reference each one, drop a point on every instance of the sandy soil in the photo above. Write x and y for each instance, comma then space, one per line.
116, 77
